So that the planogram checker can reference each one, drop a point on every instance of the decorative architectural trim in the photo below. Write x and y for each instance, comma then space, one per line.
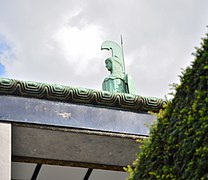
82, 96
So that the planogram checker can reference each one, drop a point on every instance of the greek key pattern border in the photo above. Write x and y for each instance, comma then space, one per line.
69, 94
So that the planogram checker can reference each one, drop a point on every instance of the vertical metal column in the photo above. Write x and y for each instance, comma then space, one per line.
87, 175
5, 151
36, 172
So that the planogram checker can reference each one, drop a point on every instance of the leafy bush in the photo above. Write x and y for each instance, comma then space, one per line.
178, 143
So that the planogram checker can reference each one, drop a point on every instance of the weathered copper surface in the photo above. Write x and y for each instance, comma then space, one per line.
82, 96
118, 80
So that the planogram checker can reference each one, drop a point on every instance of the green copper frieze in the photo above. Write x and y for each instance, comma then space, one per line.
61, 93
118, 80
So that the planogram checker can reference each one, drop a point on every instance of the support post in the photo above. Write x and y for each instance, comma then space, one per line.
89, 171
5, 151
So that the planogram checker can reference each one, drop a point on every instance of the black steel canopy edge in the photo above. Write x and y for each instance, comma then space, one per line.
66, 163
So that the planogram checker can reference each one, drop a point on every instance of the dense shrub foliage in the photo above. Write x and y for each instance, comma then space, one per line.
178, 143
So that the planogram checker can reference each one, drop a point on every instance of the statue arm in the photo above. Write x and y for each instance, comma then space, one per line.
104, 86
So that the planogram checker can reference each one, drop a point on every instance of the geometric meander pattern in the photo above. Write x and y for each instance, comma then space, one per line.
69, 94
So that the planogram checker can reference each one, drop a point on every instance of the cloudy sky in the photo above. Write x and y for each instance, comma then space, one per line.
59, 41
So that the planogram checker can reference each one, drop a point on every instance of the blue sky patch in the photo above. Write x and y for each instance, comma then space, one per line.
2, 69
4, 48
3, 45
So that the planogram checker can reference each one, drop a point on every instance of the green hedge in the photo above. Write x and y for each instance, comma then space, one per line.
178, 143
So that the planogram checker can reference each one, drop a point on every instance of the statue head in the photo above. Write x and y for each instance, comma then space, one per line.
108, 64
118, 81
114, 66
117, 59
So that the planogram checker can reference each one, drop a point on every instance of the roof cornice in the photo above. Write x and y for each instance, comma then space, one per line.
83, 96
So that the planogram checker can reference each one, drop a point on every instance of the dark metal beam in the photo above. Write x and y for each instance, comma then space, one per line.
36, 171
87, 175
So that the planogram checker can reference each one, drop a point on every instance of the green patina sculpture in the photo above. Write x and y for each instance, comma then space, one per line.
118, 80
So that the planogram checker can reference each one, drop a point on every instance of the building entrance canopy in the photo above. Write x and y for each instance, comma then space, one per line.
62, 125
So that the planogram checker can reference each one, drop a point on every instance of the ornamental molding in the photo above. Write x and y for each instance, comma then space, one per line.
67, 94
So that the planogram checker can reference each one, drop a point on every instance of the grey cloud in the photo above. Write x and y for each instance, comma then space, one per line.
159, 37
